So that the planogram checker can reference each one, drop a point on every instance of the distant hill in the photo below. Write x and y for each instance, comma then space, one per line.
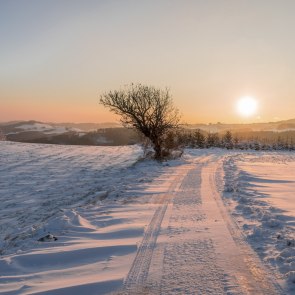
68, 133
89, 126
114, 133
80, 126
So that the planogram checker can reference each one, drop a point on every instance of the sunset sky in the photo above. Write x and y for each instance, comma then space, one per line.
58, 56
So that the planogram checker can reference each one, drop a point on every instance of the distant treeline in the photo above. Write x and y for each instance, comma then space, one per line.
192, 138
260, 140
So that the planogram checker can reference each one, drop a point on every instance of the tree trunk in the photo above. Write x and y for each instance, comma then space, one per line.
158, 150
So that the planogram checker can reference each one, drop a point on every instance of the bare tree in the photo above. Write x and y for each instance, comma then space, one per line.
147, 109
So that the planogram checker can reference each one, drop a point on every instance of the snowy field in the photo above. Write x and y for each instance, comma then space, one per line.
105, 207
38, 181
76, 194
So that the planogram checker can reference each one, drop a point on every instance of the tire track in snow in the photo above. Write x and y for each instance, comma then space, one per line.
251, 274
137, 276
189, 256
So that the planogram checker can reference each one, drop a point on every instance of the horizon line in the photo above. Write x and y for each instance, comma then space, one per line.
118, 123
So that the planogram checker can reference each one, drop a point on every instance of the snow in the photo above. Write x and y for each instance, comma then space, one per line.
46, 128
135, 225
35, 127
38, 181
260, 188
63, 190
33, 178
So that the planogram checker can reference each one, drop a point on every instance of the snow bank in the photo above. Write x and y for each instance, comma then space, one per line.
260, 188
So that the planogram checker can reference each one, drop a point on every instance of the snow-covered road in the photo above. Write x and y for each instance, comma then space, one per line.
192, 246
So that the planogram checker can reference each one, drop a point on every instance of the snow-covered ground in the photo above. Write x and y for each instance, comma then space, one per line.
121, 222
260, 190
76, 194
46, 128
38, 181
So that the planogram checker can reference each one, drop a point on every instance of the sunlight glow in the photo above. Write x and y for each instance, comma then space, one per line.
247, 106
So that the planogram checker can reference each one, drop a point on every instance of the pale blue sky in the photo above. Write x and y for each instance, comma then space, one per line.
56, 57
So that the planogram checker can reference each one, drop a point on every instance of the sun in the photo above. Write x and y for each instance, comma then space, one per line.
247, 106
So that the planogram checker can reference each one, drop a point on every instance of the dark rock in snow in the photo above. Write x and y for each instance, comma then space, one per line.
48, 238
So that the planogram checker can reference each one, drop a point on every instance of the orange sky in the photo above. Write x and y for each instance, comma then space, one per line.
58, 57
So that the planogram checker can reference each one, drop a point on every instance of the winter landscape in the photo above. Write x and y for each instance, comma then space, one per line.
147, 147
215, 221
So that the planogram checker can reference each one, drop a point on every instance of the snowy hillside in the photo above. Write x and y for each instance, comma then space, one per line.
67, 133
33, 126
41, 127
